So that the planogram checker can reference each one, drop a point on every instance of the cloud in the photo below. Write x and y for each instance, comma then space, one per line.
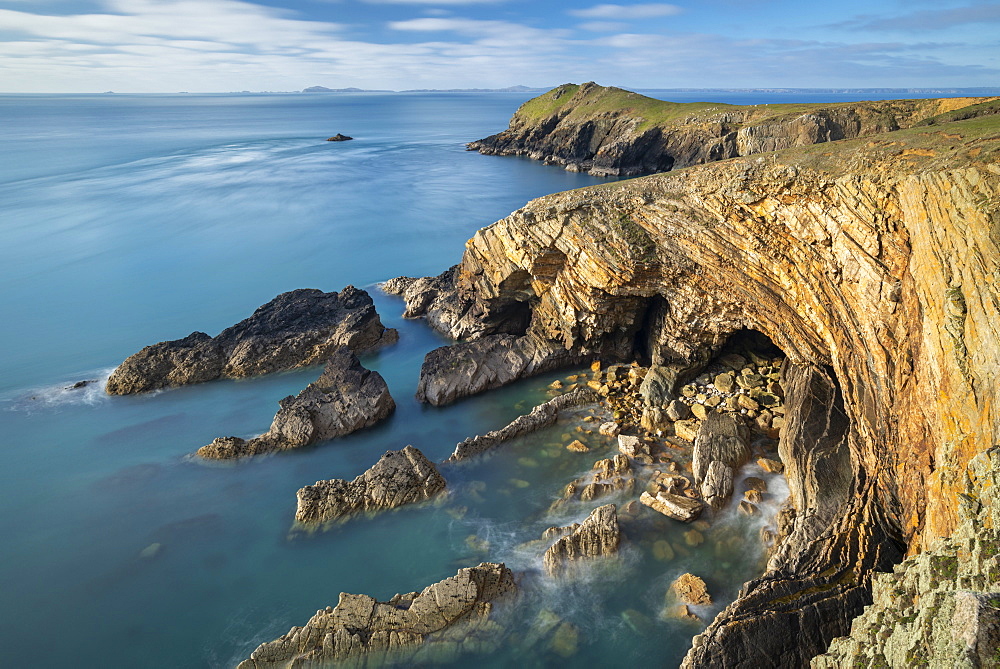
931, 19
622, 12
602, 26
433, 2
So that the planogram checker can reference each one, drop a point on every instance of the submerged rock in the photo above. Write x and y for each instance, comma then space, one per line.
346, 398
398, 478
403, 630
295, 329
596, 536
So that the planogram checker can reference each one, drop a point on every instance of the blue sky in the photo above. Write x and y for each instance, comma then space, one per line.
227, 45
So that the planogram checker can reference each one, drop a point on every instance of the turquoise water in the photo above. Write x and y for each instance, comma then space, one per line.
128, 220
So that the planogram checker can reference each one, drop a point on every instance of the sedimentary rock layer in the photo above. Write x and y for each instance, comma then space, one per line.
295, 329
409, 629
398, 478
612, 132
873, 264
346, 398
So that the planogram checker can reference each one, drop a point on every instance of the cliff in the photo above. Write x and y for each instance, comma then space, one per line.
873, 264
613, 132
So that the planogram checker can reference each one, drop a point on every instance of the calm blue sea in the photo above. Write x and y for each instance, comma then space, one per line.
127, 220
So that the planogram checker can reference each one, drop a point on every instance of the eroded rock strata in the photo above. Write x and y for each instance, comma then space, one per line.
398, 478
872, 264
608, 131
295, 329
433, 626
345, 398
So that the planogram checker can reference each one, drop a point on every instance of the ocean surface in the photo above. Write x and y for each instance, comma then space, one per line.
128, 220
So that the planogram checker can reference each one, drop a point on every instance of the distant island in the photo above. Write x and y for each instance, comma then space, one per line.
509, 89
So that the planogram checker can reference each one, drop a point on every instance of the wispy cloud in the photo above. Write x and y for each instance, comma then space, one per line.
930, 19
603, 26
434, 2
623, 12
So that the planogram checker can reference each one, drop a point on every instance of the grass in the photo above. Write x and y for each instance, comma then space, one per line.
598, 101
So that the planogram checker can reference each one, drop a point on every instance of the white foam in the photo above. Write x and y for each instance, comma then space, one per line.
65, 394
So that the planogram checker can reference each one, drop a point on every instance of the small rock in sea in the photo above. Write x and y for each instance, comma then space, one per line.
691, 590
631, 446
80, 384
556, 385
150, 551
663, 551
577, 446
339, 138
754, 483
753, 496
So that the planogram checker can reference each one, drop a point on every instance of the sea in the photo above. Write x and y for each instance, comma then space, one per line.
131, 219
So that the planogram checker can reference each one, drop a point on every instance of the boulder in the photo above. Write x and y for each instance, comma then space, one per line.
451, 372
597, 536
684, 509
346, 398
771, 466
361, 630
610, 429
691, 590
687, 429
339, 138
721, 437
724, 382
677, 410
296, 329
717, 487
398, 478
632, 446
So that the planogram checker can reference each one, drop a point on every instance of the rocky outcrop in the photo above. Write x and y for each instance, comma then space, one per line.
452, 372
339, 138
296, 329
597, 536
432, 626
346, 398
607, 477
398, 478
608, 131
872, 264
543, 415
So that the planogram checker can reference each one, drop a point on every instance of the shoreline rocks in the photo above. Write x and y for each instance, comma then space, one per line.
398, 478
690, 589
347, 397
296, 329
434, 625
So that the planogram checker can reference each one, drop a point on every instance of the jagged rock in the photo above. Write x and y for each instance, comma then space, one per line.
597, 536
452, 372
607, 476
346, 398
748, 509
691, 590
541, 416
398, 478
577, 446
339, 138
754, 483
678, 507
360, 629
295, 329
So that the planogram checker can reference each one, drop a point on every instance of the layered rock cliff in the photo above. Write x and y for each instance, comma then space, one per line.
874, 265
608, 131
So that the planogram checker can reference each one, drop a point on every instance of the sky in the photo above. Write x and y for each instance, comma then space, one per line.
285, 45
